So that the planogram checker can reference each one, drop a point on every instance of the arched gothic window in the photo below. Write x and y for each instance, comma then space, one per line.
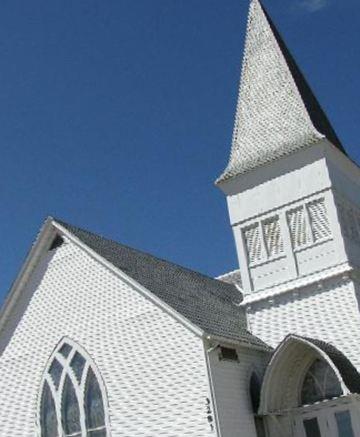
255, 391
72, 399
320, 383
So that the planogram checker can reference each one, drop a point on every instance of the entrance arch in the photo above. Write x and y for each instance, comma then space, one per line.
287, 369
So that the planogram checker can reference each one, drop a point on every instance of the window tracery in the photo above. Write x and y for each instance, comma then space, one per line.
320, 383
72, 399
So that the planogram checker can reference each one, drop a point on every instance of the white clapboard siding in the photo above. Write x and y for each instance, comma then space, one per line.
153, 367
231, 380
328, 311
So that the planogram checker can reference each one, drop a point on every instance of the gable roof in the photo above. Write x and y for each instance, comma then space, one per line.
210, 304
277, 113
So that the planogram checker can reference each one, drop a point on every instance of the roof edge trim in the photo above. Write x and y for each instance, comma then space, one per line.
132, 282
31, 260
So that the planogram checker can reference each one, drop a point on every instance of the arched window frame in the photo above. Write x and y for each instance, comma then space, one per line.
254, 374
283, 374
80, 389
259, 422
329, 367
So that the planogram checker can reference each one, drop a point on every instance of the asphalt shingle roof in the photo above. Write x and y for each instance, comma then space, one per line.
208, 303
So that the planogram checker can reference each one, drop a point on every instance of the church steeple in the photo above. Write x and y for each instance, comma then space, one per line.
289, 185
277, 113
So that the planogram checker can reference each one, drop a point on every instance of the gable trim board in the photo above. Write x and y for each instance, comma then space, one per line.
40, 245
146, 358
130, 281
47, 233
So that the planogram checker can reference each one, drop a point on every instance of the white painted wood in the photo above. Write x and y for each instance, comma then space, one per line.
286, 184
231, 381
153, 367
328, 311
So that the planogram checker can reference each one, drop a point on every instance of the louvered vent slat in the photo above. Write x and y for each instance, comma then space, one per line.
298, 227
253, 243
272, 235
319, 219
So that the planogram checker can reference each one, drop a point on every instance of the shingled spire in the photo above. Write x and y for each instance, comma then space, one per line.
277, 113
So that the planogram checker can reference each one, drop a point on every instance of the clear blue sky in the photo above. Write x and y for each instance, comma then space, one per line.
117, 115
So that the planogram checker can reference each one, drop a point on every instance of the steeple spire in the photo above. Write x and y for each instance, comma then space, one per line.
277, 113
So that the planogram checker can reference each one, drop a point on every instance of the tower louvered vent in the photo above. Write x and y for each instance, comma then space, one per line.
318, 219
298, 227
272, 236
253, 243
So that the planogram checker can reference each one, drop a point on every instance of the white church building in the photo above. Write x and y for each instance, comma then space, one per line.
100, 340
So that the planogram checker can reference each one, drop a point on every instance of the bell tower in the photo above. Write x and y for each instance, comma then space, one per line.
292, 192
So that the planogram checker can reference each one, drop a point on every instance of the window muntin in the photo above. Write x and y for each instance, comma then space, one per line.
77, 364
72, 400
320, 383
65, 350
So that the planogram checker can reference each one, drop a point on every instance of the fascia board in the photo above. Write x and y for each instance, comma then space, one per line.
130, 281
42, 241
